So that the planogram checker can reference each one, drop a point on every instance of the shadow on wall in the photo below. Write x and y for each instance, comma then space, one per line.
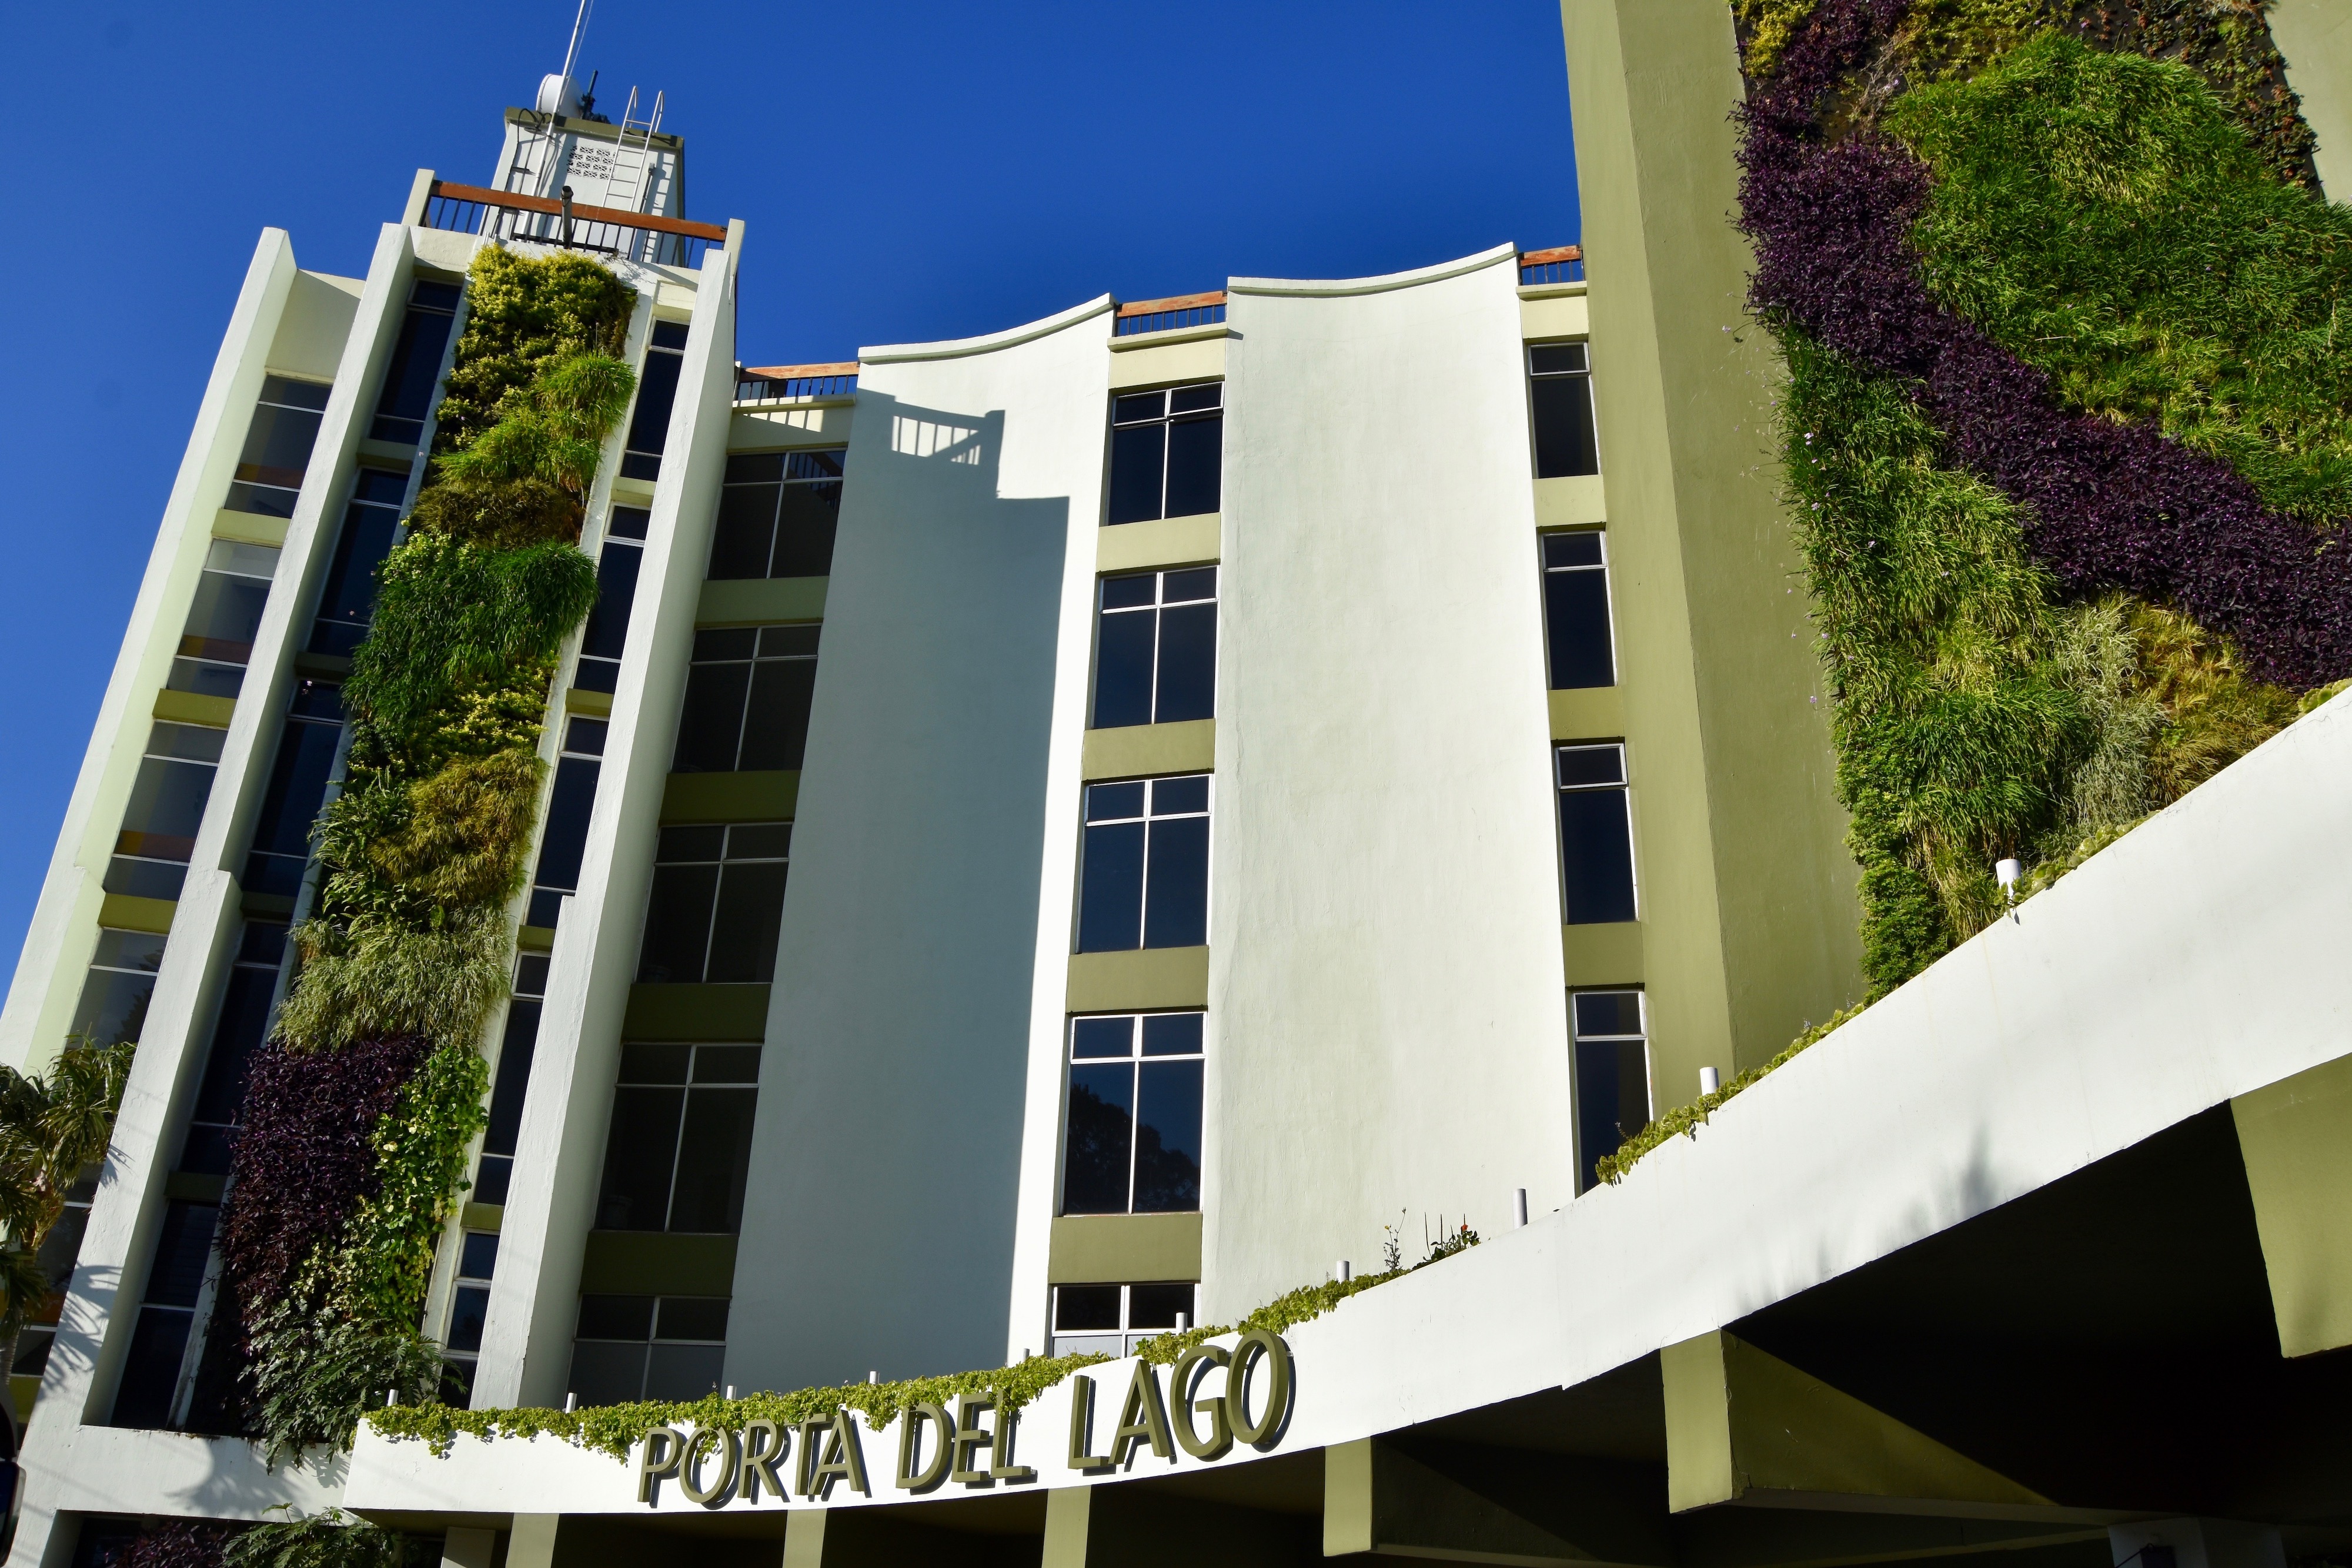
908, 958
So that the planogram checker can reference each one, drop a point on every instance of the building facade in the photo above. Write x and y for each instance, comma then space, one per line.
1060, 836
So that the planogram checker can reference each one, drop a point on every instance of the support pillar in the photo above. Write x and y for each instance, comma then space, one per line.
2296, 1137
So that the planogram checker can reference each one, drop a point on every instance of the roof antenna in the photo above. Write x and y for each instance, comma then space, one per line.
579, 30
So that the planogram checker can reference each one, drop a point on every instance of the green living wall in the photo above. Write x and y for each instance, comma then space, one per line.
360, 1109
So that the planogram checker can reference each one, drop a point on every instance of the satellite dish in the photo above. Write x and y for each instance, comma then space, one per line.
558, 94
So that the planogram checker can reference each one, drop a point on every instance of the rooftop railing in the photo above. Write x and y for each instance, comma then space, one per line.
1167, 315
765, 383
1561, 263
608, 231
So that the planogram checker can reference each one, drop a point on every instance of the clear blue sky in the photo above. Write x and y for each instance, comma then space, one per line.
907, 172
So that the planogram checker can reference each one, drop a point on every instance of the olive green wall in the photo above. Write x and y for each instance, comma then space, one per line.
2315, 36
1748, 912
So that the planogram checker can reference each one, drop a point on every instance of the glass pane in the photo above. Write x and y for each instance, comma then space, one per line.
150, 1372
467, 1308
727, 1064
32, 1351
414, 367
1188, 664
184, 1242
208, 680
640, 1152
1129, 592
113, 1006
678, 924
656, 394
265, 500
146, 879
616, 590
683, 1371
1176, 899
311, 395
1137, 406
1156, 1306
1102, 1037
1563, 420
350, 591
1179, 587
750, 917
1137, 456
188, 742
758, 841
1590, 765
565, 842
1082, 1307
714, 1157
244, 1017
807, 519
1608, 1012
1612, 1099
775, 727
492, 1178
227, 609
1171, 1034
604, 1374
1096, 1145
710, 729
585, 737
1582, 549
1556, 358
1110, 894
298, 788
669, 334
677, 844
629, 522
1123, 669
1596, 846
1170, 797
752, 467
617, 1317
656, 1063
1576, 627
167, 800
692, 1317
138, 950
793, 642
1168, 1138
1193, 399
746, 530
479, 1259
278, 446
1196, 449
823, 463
1105, 802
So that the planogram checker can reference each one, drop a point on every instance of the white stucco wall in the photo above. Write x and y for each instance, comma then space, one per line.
1387, 999
928, 917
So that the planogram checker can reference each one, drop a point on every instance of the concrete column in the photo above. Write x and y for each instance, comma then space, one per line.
531, 1543
469, 1548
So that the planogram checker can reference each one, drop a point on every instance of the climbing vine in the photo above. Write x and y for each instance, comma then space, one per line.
360, 1109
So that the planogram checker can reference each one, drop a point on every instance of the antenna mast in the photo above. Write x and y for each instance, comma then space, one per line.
579, 30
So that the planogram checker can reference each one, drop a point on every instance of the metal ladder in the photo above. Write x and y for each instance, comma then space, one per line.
634, 171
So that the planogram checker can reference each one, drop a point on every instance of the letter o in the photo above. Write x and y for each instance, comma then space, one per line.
1258, 1345
728, 1455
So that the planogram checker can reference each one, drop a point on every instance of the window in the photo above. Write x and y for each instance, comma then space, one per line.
1612, 1075
1132, 1142
564, 844
278, 446
167, 805
1112, 1319
1144, 881
718, 904
1560, 390
1156, 648
113, 1005
617, 564
1596, 834
217, 642
469, 1309
1167, 452
656, 395
415, 367
648, 1347
60, 1249
777, 515
495, 1171
307, 745
1576, 610
158, 1343
680, 1143
348, 600
243, 1023
747, 699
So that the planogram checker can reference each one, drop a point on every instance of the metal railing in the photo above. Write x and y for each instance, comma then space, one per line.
1168, 315
765, 383
1562, 264
608, 231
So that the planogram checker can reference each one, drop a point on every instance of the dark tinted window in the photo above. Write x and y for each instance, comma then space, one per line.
298, 776
680, 1145
1167, 453
348, 595
278, 444
1144, 878
416, 364
718, 904
1559, 391
1131, 1140
617, 565
1576, 611
778, 513
1156, 648
1612, 1075
656, 395
565, 842
747, 699
1596, 834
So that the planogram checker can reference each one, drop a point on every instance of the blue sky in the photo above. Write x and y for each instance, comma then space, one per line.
906, 171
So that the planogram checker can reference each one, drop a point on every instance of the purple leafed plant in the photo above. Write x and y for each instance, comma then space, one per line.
2114, 506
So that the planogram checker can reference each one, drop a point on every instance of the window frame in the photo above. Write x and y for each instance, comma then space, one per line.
687, 1088
743, 730
1577, 1040
1530, 375
1136, 1060
1623, 787
1160, 604
718, 885
1168, 417
1127, 1336
793, 458
1087, 820
1547, 572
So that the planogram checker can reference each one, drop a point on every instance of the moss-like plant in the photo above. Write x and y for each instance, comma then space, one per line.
521, 311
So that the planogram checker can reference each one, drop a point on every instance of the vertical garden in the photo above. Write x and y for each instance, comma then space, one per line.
360, 1109
2068, 426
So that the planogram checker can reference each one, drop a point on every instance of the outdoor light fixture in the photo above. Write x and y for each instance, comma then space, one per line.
2006, 872
1709, 1080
